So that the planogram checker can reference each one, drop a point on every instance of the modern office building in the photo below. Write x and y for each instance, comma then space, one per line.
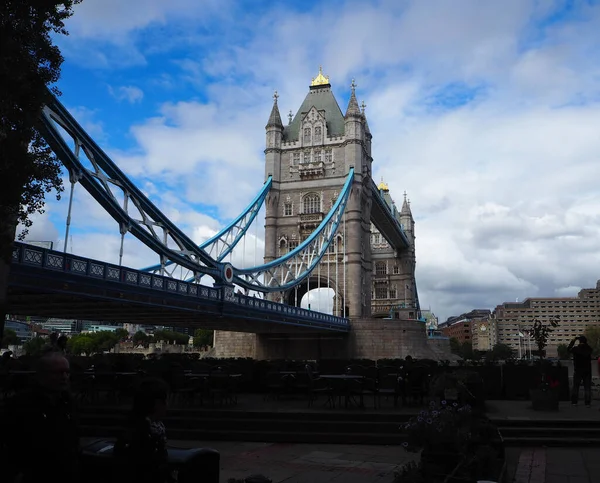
573, 315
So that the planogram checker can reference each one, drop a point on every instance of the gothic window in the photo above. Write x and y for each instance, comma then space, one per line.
296, 158
380, 268
393, 292
381, 292
317, 155
282, 247
306, 135
312, 203
318, 134
328, 156
306, 157
376, 239
287, 209
292, 244
396, 269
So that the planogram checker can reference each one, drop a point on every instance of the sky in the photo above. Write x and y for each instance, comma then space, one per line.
486, 113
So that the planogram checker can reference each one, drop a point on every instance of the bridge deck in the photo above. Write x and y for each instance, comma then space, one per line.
52, 284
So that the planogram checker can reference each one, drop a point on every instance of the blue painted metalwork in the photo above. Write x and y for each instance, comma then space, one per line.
98, 183
289, 270
237, 228
54, 261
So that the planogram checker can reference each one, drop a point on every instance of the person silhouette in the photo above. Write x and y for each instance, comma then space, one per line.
582, 370
41, 422
141, 450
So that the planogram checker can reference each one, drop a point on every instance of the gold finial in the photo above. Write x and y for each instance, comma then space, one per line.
321, 79
383, 186
353, 85
275, 96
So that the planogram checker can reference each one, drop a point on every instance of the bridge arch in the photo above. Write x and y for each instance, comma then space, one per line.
294, 296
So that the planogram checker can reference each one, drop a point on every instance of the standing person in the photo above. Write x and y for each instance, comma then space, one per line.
39, 428
141, 451
582, 369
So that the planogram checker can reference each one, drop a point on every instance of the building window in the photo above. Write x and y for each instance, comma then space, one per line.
306, 135
381, 292
287, 209
296, 158
312, 203
376, 238
318, 134
396, 269
380, 268
305, 157
317, 156
282, 247
393, 292
328, 156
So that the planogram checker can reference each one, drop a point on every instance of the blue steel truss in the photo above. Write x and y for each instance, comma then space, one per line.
221, 245
292, 268
154, 229
161, 235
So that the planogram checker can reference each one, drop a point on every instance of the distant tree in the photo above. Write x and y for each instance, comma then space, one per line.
10, 338
455, 346
540, 333
592, 333
81, 344
466, 350
121, 334
203, 337
502, 352
171, 337
563, 351
28, 169
140, 337
33, 347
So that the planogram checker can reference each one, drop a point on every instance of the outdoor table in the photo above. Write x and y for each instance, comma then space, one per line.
345, 378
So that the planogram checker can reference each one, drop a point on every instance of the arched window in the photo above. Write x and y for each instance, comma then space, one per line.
380, 268
317, 156
312, 203
393, 292
318, 134
282, 247
306, 135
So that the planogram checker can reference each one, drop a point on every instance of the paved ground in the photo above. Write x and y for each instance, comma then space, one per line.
554, 465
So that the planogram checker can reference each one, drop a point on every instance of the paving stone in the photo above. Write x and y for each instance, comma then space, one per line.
557, 479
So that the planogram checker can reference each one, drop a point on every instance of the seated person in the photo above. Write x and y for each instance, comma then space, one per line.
141, 451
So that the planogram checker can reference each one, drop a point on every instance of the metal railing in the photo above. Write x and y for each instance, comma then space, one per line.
30, 255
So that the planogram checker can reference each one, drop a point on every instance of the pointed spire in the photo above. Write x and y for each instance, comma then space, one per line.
406, 206
275, 117
353, 108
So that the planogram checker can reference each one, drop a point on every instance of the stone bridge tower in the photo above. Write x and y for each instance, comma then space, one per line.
309, 159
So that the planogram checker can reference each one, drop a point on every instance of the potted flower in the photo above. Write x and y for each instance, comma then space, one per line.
545, 395
455, 443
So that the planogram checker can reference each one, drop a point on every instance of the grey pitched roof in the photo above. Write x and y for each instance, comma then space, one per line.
322, 99
353, 109
275, 117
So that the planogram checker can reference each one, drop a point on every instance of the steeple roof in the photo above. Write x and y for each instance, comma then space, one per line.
353, 109
406, 207
320, 97
275, 117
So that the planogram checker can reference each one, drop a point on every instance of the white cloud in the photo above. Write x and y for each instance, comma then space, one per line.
131, 94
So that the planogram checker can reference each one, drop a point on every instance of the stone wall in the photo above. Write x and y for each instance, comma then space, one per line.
389, 339
235, 344
369, 339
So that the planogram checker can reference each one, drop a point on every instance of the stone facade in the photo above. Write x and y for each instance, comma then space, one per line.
309, 161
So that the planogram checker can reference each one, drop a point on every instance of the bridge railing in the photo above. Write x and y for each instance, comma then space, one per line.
31, 255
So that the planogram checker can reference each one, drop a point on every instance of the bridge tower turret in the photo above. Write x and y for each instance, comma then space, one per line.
274, 131
309, 160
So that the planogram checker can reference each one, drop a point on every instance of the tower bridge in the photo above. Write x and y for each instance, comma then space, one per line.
327, 225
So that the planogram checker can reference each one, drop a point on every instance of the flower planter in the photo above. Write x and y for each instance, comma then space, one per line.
544, 399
